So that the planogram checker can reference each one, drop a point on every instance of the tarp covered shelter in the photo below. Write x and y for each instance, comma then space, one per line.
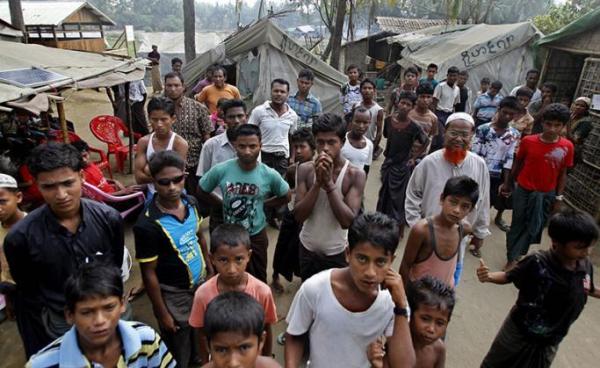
500, 52
172, 44
263, 52
80, 69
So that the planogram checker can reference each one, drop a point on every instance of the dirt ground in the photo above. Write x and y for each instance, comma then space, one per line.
479, 312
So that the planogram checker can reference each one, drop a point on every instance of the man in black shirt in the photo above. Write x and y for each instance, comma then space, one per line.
50, 243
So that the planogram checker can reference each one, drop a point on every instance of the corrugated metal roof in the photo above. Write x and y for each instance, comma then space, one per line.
404, 25
6, 29
51, 13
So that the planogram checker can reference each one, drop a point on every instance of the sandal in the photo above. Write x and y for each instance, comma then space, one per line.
502, 225
474, 251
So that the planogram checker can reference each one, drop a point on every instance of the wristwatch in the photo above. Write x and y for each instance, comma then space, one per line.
403, 312
560, 198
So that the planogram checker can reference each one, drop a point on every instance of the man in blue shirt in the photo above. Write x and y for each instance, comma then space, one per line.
486, 105
247, 186
172, 253
303, 102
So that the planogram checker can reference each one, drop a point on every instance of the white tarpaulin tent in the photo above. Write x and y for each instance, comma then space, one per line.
499, 52
80, 69
263, 52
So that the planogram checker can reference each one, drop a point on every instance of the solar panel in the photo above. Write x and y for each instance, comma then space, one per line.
30, 77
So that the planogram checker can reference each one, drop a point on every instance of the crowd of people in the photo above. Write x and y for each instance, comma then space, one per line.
449, 156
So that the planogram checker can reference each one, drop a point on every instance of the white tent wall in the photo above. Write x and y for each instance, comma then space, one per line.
279, 57
510, 69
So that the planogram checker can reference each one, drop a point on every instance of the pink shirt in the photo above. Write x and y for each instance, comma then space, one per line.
254, 287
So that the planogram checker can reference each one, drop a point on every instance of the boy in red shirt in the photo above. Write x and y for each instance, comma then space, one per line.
230, 253
540, 169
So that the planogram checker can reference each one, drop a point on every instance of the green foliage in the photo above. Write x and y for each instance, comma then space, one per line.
559, 16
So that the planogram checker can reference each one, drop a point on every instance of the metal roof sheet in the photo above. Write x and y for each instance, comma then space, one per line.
51, 13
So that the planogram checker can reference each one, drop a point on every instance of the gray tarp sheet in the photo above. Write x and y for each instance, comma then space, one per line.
495, 51
278, 56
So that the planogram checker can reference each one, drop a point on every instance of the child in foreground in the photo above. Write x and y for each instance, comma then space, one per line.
98, 338
553, 288
234, 326
343, 310
433, 244
230, 253
431, 302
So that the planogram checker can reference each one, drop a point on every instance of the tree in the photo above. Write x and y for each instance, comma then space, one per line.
189, 30
336, 36
560, 15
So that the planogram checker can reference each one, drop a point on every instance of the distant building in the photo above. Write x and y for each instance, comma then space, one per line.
73, 25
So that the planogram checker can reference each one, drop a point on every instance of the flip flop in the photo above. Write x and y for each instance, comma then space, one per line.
502, 225
475, 251
135, 292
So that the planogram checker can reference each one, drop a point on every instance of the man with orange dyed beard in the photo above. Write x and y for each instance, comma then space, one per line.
429, 176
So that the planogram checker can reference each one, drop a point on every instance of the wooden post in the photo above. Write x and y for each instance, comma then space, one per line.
60, 108
129, 123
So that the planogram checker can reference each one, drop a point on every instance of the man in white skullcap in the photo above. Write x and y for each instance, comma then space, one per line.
454, 159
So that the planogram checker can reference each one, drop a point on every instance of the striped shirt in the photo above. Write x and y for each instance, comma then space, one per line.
141, 347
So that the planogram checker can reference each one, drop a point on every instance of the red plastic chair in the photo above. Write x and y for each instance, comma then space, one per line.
94, 193
136, 136
102, 162
107, 128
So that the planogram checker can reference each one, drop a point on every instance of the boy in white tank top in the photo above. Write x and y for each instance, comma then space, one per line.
328, 197
161, 113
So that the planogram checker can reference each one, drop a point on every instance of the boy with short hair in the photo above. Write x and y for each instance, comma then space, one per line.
432, 70
496, 143
433, 244
553, 288
10, 213
98, 338
549, 90
343, 310
432, 303
247, 186
230, 253
523, 121
172, 253
465, 93
351, 90
422, 114
409, 84
358, 149
285, 259
540, 170
445, 95
486, 105
403, 136
305, 104
375, 129
234, 325
484, 85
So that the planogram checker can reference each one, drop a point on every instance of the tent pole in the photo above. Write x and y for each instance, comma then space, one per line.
129, 125
60, 108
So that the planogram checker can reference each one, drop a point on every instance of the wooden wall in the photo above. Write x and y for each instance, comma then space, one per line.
91, 44
83, 16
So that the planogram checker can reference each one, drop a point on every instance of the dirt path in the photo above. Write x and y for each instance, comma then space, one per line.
480, 309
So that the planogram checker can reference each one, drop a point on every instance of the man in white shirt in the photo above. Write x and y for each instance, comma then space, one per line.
445, 96
220, 148
531, 81
430, 175
277, 121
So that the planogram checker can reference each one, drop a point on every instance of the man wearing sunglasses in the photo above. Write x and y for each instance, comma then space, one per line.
172, 253
430, 175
